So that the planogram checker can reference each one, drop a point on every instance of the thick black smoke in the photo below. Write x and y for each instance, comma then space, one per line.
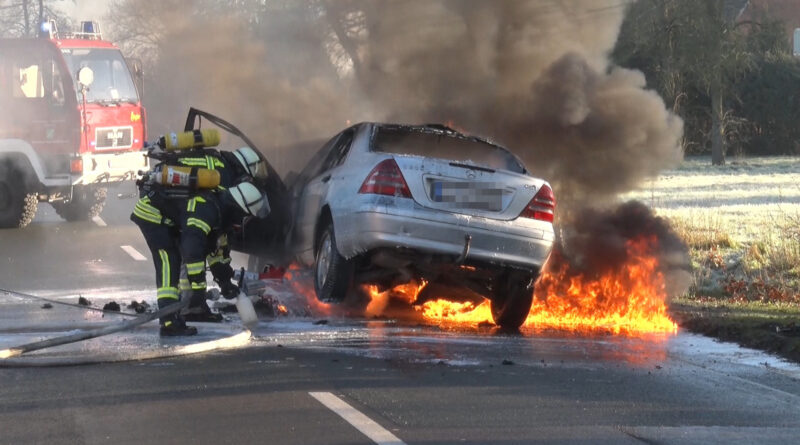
600, 241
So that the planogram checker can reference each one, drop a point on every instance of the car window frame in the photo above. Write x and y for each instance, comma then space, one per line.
313, 168
336, 151
341, 148
519, 168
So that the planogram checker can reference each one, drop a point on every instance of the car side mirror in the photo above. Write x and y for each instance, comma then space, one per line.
85, 77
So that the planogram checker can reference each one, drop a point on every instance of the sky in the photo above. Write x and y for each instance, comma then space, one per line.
84, 9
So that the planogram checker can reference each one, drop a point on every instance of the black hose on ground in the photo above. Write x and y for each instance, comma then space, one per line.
93, 333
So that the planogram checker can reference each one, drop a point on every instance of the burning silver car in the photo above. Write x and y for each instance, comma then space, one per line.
384, 204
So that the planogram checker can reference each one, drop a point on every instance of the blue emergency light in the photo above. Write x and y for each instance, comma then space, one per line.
90, 27
90, 30
48, 29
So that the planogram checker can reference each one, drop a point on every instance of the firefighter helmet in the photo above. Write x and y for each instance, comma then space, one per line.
249, 160
250, 199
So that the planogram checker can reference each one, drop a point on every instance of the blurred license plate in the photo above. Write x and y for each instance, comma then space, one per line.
468, 195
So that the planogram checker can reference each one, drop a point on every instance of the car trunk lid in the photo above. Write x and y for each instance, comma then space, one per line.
467, 189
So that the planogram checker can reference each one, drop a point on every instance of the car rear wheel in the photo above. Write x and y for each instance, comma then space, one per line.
512, 298
333, 273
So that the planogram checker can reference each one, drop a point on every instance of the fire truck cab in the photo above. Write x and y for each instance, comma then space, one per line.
71, 121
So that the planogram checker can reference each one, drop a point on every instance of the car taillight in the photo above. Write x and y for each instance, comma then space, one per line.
386, 179
541, 206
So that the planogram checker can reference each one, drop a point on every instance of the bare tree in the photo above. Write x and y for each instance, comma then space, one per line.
22, 18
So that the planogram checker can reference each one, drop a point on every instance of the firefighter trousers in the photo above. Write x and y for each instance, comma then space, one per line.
163, 242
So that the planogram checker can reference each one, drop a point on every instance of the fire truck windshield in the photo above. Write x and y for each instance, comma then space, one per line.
112, 79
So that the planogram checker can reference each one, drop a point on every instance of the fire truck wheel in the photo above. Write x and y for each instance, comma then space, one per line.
87, 202
512, 299
17, 206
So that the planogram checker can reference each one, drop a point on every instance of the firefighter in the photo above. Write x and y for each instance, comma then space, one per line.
188, 167
244, 163
180, 230
232, 167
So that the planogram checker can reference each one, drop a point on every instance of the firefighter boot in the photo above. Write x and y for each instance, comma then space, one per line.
175, 326
198, 310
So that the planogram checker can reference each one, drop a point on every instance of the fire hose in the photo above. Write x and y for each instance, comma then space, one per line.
243, 305
92, 333
64, 303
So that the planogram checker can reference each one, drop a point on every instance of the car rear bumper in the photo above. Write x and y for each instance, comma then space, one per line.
364, 230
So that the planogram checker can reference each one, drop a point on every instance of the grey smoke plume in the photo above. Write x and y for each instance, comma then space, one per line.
533, 75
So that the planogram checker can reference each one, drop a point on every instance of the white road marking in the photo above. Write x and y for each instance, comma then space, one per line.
361, 422
134, 253
99, 221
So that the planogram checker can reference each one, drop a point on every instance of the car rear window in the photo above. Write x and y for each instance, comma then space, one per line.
443, 145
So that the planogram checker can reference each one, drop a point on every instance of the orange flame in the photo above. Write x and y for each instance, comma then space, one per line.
299, 279
629, 299
379, 301
454, 312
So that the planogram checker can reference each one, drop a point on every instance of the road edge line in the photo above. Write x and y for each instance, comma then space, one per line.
130, 250
357, 419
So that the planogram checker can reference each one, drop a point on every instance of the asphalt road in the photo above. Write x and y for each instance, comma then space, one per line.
359, 382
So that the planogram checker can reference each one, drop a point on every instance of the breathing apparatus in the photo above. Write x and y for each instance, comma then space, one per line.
178, 179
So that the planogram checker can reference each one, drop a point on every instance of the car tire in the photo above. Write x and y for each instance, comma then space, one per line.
512, 298
333, 273
87, 202
17, 205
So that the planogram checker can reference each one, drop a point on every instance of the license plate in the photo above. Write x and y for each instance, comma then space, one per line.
468, 195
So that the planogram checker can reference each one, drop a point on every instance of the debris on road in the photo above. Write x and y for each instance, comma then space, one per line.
139, 308
47, 306
111, 306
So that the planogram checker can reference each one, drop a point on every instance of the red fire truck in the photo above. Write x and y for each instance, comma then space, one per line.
71, 121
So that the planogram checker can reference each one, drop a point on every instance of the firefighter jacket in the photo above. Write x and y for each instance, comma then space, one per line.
153, 197
197, 217
203, 224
